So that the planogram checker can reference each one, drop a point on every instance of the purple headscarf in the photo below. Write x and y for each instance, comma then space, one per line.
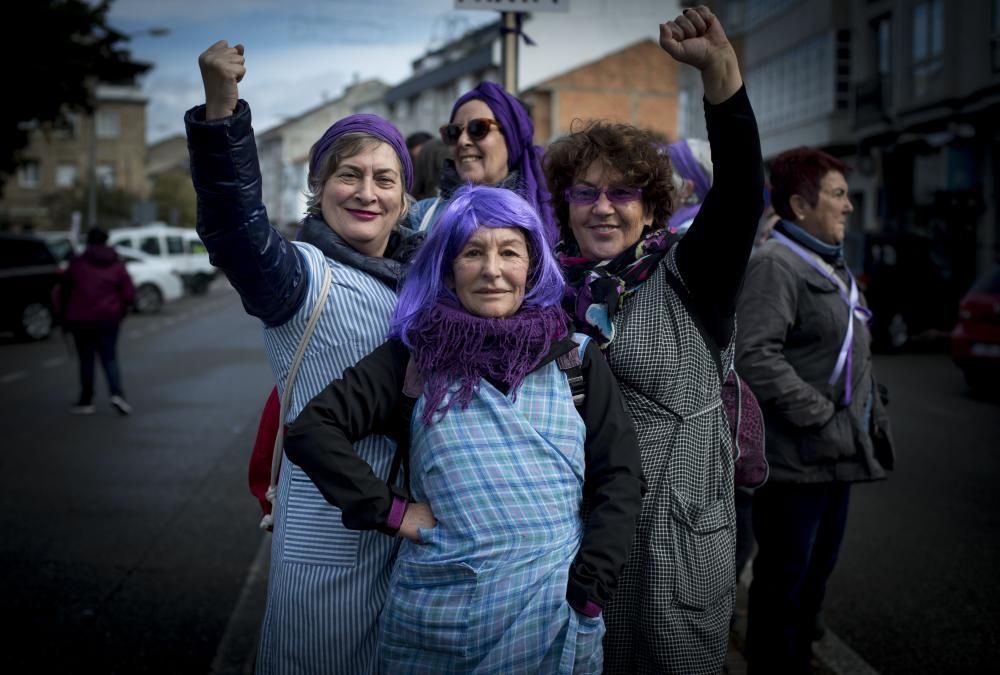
522, 153
686, 166
365, 124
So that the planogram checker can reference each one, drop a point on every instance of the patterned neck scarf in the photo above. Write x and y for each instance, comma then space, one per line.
595, 289
451, 345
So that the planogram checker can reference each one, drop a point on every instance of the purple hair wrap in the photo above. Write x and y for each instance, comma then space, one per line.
365, 124
686, 166
522, 154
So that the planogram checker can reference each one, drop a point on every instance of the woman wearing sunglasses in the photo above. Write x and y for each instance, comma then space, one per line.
656, 310
490, 135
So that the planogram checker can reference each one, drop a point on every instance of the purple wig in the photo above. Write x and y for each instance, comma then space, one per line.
472, 207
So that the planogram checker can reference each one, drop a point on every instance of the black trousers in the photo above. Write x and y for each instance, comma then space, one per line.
799, 530
101, 340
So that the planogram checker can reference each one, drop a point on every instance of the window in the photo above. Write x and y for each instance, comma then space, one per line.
883, 45
995, 41
150, 245
66, 175
105, 174
124, 242
107, 124
928, 42
175, 246
28, 174
195, 246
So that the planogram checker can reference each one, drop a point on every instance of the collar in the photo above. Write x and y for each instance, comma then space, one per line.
388, 269
832, 253
451, 181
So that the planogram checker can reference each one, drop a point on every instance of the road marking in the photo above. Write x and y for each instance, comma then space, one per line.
13, 377
54, 362
839, 658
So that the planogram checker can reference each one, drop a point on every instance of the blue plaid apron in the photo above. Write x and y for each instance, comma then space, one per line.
485, 590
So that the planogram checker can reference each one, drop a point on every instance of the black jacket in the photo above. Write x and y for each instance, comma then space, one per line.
369, 400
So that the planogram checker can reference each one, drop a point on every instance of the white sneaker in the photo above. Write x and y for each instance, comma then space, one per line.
83, 409
121, 405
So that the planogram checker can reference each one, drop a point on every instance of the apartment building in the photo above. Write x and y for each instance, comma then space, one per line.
111, 142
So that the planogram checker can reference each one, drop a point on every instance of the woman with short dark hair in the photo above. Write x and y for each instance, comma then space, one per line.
804, 348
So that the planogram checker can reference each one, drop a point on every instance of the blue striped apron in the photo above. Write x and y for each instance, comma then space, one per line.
485, 590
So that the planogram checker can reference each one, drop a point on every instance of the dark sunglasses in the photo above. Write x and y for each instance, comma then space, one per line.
616, 194
478, 129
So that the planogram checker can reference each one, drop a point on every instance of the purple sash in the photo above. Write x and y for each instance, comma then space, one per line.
850, 298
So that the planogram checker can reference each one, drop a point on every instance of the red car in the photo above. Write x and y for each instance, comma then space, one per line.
975, 342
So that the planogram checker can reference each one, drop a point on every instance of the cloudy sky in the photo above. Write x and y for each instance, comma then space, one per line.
298, 51
301, 52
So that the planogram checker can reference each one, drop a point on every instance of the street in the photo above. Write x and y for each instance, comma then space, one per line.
916, 588
127, 540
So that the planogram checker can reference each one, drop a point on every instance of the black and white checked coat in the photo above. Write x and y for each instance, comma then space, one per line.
671, 611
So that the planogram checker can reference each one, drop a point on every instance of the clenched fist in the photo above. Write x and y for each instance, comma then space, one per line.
222, 68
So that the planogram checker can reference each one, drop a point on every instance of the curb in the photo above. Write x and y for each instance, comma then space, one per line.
237, 650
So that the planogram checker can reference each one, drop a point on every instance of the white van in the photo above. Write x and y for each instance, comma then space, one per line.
178, 245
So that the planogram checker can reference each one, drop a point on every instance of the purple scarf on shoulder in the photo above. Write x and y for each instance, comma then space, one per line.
449, 345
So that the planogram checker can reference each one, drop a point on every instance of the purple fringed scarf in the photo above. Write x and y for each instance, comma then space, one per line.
449, 345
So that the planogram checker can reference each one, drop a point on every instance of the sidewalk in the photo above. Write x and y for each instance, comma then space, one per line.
830, 655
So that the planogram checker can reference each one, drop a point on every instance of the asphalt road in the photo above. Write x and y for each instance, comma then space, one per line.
917, 587
126, 540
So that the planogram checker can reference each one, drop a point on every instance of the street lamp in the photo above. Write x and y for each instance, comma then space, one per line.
156, 31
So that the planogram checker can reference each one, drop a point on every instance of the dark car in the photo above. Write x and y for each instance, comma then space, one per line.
975, 342
28, 273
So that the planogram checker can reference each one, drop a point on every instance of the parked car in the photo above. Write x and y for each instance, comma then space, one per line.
975, 342
156, 281
179, 245
28, 273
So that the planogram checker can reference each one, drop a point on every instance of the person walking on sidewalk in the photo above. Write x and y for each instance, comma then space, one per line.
804, 348
95, 293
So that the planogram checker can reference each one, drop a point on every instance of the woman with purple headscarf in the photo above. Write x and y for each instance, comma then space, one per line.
691, 161
507, 576
327, 583
491, 136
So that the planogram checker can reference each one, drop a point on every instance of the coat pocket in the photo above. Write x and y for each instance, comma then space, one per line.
832, 441
313, 532
703, 552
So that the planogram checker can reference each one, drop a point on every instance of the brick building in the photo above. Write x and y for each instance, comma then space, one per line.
636, 85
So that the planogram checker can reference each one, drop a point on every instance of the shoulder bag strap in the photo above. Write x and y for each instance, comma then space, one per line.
293, 371
685, 297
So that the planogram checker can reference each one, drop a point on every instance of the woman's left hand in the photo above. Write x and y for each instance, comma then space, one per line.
696, 38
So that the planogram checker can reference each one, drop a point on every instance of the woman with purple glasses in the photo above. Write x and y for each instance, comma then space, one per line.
665, 319
505, 576
490, 134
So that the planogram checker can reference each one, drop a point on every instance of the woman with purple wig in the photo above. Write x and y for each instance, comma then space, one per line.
327, 583
491, 137
498, 571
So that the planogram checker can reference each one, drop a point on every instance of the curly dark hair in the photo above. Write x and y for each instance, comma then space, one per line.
632, 152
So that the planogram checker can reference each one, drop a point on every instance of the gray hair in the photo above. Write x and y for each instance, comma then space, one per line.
344, 147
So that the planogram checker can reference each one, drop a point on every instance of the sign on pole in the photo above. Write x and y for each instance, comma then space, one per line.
515, 5
509, 9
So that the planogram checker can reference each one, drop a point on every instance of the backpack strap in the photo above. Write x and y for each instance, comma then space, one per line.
428, 215
571, 363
